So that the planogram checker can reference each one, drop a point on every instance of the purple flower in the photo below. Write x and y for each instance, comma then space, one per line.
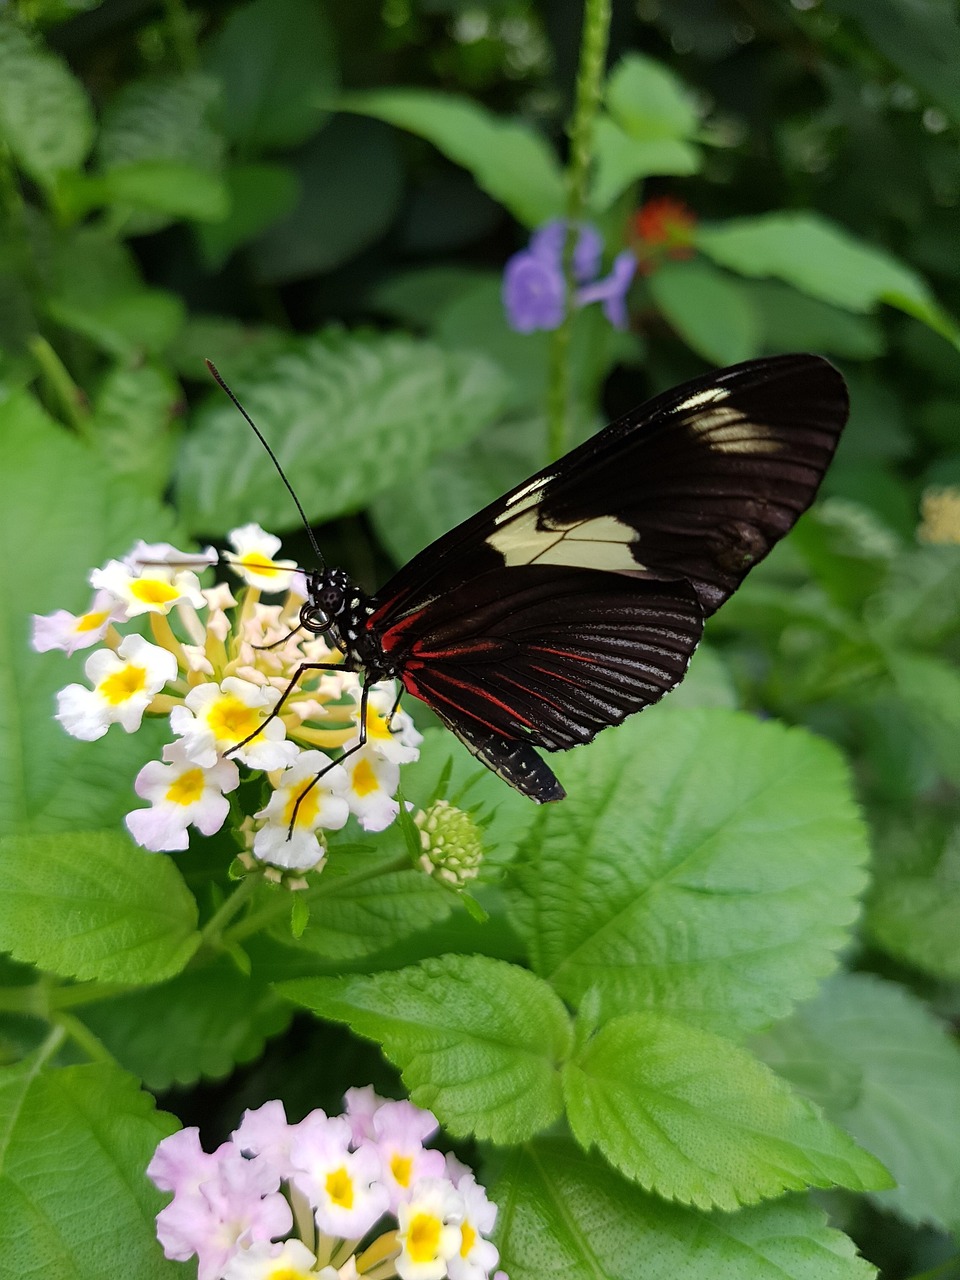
612, 290
534, 290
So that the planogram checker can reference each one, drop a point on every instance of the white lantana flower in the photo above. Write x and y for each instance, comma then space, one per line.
429, 1232
254, 560
477, 1257
155, 589
73, 631
124, 684
217, 717
291, 1260
148, 555
181, 795
393, 738
343, 1186
323, 806
371, 785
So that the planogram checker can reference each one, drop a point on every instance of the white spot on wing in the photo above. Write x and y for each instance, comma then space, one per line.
603, 543
523, 499
728, 431
712, 395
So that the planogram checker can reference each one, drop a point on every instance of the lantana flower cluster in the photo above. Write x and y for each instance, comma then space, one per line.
217, 664
534, 287
335, 1197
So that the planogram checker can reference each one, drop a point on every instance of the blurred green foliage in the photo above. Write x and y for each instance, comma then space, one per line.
321, 197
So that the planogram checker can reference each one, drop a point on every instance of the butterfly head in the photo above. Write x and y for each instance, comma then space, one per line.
328, 594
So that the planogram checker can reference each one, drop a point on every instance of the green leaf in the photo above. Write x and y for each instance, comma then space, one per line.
906, 1109
45, 117
357, 913
793, 321
509, 160
52, 782
649, 101
824, 260
477, 1041
567, 1216
276, 61
914, 909
201, 1025
930, 688
74, 1144
131, 424
165, 186
351, 184
708, 309
347, 415
920, 601
703, 864
123, 325
259, 195
93, 905
694, 1118
622, 159
419, 296
237, 346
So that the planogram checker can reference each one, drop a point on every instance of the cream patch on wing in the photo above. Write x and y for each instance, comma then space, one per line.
523, 499
726, 429
601, 543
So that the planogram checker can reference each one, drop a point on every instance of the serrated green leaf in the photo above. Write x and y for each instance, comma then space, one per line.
703, 864
74, 1144
132, 424
477, 1040
913, 911
648, 100
93, 905
708, 309
201, 1025
920, 601
237, 346
567, 1216
346, 414
694, 1118
260, 194
906, 1109
622, 159
276, 61
823, 259
52, 782
45, 116
509, 160
351, 185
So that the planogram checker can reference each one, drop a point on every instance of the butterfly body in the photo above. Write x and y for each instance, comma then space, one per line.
579, 597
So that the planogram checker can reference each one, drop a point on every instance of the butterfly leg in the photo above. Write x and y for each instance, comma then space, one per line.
297, 675
361, 742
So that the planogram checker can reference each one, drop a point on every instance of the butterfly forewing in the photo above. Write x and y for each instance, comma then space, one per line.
579, 597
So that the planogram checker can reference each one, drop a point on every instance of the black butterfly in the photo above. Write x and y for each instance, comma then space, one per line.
579, 597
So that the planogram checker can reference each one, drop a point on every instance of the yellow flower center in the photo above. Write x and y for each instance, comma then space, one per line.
123, 684
153, 591
423, 1238
232, 720
289, 1273
308, 806
377, 725
364, 779
340, 1188
187, 789
401, 1167
468, 1238
257, 564
90, 621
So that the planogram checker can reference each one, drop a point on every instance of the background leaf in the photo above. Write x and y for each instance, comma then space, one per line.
93, 905
703, 864
709, 310
565, 1215
346, 414
478, 1041
75, 1143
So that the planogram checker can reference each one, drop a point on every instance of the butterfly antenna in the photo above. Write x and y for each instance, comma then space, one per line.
215, 374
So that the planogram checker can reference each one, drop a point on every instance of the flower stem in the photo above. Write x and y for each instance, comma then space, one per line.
212, 931
593, 54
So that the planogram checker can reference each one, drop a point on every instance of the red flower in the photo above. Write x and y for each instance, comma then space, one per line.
663, 228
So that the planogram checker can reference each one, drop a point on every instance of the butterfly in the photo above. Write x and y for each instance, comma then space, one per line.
579, 597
